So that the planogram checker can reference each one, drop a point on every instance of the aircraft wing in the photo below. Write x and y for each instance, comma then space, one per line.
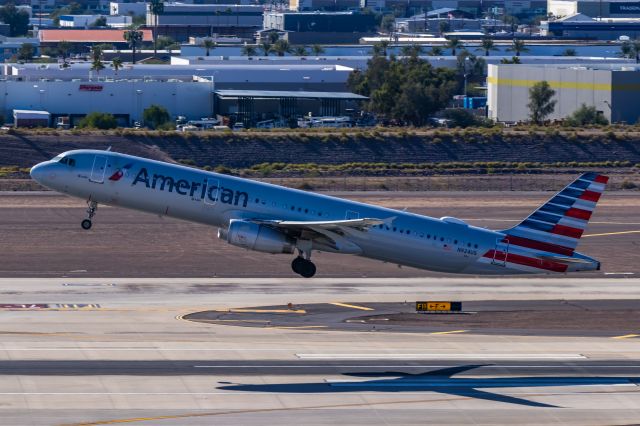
329, 235
361, 224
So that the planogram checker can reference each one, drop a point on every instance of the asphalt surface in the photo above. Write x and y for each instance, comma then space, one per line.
41, 236
525, 317
78, 345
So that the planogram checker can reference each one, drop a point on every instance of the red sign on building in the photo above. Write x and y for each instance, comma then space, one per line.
91, 87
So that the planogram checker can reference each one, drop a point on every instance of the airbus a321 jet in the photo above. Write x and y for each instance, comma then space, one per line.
274, 219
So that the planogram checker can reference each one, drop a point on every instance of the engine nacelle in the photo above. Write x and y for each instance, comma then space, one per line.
253, 236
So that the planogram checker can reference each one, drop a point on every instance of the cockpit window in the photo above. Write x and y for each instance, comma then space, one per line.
64, 160
72, 162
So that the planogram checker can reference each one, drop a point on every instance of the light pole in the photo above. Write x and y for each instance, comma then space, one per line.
466, 74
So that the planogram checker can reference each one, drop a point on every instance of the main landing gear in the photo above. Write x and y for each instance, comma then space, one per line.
303, 266
91, 212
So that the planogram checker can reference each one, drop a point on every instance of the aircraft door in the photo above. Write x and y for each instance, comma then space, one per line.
212, 192
501, 252
99, 169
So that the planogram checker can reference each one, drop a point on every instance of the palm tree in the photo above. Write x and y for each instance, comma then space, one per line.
64, 48
300, 51
281, 47
413, 50
265, 47
454, 44
635, 47
96, 64
317, 50
116, 64
626, 49
435, 51
273, 37
208, 45
569, 52
134, 38
156, 7
249, 50
518, 46
487, 45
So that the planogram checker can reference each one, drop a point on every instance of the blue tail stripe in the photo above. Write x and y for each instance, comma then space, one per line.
570, 192
537, 225
545, 217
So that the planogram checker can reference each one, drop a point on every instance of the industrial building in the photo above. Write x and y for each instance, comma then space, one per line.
86, 21
181, 21
595, 8
321, 27
611, 89
83, 39
580, 26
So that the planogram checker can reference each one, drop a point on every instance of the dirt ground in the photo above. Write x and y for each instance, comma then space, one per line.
40, 235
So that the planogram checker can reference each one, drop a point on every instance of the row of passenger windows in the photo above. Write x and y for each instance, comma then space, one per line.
293, 208
421, 234
382, 226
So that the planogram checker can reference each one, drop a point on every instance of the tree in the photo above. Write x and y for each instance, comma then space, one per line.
100, 22
156, 7
443, 27
380, 48
586, 115
116, 64
540, 103
248, 50
64, 49
518, 46
635, 48
18, 20
155, 116
96, 64
513, 60
273, 37
436, 51
569, 52
281, 47
265, 47
626, 49
134, 38
208, 45
407, 89
98, 120
162, 42
487, 45
300, 51
454, 44
26, 52
387, 24
317, 50
411, 50
460, 117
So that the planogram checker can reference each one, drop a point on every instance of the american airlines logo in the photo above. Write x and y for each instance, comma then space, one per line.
210, 190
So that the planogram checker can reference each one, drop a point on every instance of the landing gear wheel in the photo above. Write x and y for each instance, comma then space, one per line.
303, 267
86, 224
92, 206
297, 265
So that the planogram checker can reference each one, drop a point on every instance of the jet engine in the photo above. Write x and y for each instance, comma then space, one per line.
253, 236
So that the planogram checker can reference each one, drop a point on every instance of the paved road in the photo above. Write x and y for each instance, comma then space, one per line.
99, 351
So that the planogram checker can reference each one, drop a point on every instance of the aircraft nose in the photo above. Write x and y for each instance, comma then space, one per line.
37, 172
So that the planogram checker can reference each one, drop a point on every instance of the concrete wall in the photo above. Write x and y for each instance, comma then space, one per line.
508, 90
192, 99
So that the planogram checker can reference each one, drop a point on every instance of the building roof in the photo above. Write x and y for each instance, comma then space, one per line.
287, 94
441, 11
88, 36
30, 114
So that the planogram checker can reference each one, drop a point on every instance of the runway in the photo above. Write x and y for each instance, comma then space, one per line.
100, 351
94, 329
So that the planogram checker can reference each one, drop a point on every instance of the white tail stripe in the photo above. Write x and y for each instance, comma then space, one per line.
596, 187
546, 237
573, 222
585, 205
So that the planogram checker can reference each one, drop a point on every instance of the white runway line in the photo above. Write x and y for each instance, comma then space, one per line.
439, 356
492, 366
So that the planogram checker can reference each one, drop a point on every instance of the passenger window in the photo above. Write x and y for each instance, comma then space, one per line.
257, 201
455, 241
293, 208
475, 246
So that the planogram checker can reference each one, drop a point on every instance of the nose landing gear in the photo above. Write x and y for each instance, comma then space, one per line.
91, 212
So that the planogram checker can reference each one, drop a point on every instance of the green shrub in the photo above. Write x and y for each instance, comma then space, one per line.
156, 116
98, 120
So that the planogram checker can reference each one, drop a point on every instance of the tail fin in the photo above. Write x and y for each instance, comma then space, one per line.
558, 224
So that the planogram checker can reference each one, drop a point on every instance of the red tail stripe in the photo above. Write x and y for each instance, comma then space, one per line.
526, 261
590, 196
601, 179
578, 213
567, 231
538, 245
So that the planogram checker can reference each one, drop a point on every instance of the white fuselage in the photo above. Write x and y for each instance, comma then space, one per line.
446, 245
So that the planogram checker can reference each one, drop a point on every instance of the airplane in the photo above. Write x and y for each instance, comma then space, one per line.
274, 219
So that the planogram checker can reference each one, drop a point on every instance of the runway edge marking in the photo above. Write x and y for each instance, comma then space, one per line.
346, 305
